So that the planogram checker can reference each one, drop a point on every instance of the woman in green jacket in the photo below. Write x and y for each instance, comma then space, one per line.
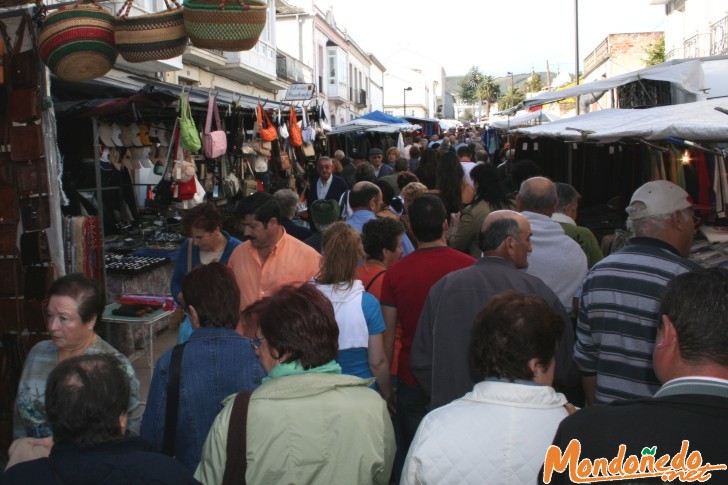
307, 423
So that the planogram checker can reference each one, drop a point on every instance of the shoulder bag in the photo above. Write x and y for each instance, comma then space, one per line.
215, 141
172, 410
236, 463
189, 137
294, 131
266, 128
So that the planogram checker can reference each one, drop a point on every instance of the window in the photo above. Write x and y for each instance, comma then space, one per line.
332, 66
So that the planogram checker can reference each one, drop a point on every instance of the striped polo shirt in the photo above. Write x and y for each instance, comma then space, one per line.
618, 316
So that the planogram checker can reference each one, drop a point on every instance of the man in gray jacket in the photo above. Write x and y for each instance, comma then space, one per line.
439, 358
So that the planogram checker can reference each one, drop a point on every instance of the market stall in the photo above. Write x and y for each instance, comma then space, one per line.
372, 130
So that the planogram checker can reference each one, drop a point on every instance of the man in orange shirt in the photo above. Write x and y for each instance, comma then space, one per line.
269, 258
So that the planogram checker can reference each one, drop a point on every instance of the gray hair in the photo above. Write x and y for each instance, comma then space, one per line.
288, 200
536, 200
566, 195
497, 232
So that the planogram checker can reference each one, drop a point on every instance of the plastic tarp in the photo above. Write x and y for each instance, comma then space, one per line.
688, 75
523, 118
376, 121
698, 121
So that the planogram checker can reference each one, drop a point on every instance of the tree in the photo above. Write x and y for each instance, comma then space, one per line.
469, 85
488, 91
511, 98
655, 52
534, 83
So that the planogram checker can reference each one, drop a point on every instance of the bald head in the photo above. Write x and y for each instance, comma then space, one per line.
537, 194
364, 195
506, 234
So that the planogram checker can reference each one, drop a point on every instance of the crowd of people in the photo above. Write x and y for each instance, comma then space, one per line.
418, 317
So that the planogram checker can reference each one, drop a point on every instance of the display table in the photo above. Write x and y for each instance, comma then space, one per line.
146, 322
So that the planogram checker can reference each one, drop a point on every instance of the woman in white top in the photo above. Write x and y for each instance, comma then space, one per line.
499, 432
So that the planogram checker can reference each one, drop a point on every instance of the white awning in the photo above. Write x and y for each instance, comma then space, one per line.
698, 121
523, 118
688, 75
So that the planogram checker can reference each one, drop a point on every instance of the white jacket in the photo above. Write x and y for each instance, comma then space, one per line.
556, 259
496, 434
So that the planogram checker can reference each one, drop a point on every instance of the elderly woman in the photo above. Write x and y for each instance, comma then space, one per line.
207, 243
86, 401
75, 306
489, 197
358, 314
216, 362
288, 200
499, 432
307, 423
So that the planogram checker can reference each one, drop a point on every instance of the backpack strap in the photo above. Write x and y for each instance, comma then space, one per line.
172, 410
236, 462
371, 282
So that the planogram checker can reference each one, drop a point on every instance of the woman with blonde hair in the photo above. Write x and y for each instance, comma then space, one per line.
358, 314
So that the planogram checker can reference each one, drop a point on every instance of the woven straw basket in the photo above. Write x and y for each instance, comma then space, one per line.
211, 24
150, 37
77, 42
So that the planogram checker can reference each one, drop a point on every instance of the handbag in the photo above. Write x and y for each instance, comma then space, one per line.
189, 137
8, 238
8, 204
231, 185
24, 105
24, 65
184, 190
35, 213
34, 248
266, 128
308, 133
294, 131
262, 147
31, 178
215, 141
26, 142
308, 150
283, 160
11, 284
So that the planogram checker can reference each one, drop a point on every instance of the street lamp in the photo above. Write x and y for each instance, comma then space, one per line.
404, 100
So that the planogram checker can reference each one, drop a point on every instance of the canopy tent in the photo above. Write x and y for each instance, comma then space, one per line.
523, 118
698, 121
688, 75
376, 121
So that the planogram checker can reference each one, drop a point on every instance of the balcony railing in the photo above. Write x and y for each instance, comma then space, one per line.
719, 37
697, 46
678, 53
597, 56
362, 101
290, 69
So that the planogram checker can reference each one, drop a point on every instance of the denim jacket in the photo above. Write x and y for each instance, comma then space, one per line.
216, 362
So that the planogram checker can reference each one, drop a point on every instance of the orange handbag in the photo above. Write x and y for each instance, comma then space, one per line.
266, 128
295, 138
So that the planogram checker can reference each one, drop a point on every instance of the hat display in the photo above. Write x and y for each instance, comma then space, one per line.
144, 134
660, 197
324, 212
114, 158
105, 135
116, 135
127, 137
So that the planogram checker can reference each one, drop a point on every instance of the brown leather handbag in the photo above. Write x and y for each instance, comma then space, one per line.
11, 284
9, 238
35, 213
11, 315
25, 65
32, 178
8, 204
26, 142
7, 171
34, 248
24, 105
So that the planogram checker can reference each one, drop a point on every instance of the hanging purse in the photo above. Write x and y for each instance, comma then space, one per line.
308, 133
34, 248
282, 129
31, 177
262, 147
11, 284
24, 105
215, 141
35, 213
8, 238
189, 137
26, 142
283, 160
24, 65
266, 128
294, 131
8, 204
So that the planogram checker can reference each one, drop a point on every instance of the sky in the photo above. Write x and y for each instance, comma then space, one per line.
496, 35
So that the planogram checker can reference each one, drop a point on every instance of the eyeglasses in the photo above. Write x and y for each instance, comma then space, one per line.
255, 342
696, 221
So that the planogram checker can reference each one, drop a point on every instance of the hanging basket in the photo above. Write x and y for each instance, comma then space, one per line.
150, 37
77, 42
211, 24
